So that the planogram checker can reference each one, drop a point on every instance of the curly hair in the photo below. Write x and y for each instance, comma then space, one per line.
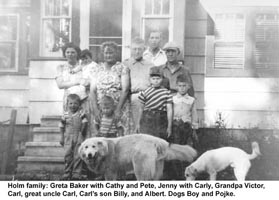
71, 45
85, 52
109, 44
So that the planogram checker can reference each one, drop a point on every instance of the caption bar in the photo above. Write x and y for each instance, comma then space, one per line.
132, 190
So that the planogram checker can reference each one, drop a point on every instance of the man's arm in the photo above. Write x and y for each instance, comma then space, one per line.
191, 91
141, 107
170, 117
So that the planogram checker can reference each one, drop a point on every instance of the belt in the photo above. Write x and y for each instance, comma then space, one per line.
155, 111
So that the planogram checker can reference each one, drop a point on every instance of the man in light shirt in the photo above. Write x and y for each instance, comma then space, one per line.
139, 72
154, 53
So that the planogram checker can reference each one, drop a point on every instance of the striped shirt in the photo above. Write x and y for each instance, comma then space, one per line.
155, 98
108, 128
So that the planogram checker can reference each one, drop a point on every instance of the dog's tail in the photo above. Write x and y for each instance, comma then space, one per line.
255, 151
180, 152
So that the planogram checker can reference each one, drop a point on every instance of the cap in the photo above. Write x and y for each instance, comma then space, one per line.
171, 45
155, 71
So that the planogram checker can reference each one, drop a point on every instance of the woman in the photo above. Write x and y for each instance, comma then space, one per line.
66, 78
112, 79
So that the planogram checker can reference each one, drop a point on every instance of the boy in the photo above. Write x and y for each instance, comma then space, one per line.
107, 126
185, 122
73, 128
185, 118
155, 113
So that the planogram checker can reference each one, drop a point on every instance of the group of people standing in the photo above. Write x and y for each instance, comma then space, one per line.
152, 92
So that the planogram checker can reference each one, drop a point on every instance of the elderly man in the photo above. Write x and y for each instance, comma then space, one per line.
154, 53
173, 67
139, 72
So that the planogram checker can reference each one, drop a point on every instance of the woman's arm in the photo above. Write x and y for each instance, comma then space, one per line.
61, 83
93, 95
126, 86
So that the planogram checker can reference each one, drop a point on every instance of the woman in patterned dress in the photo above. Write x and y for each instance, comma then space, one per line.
112, 79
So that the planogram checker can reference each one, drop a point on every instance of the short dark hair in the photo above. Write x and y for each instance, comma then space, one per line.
71, 45
73, 97
85, 52
182, 78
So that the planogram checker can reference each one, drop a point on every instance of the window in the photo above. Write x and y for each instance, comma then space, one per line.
9, 24
158, 15
229, 47
56, 26
105, 25
266, 48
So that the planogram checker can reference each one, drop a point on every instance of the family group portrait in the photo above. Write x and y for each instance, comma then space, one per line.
171, 90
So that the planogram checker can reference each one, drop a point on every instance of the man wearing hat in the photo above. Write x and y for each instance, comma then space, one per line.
173, 67
155, 113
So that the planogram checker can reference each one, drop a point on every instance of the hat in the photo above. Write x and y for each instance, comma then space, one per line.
171, 45
155, 71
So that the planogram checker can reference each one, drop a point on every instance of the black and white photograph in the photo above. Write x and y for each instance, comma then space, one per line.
139, 90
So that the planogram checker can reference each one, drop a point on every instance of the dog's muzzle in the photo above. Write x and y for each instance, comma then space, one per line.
92, 159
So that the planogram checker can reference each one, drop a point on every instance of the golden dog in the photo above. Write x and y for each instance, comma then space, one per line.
143, 154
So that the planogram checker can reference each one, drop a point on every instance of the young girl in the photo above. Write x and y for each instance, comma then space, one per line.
73, 129
108, 126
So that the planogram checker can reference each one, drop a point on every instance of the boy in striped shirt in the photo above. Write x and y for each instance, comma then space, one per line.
108, 126
156, 113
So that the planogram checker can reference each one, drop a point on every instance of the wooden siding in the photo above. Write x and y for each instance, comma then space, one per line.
45, 97
242, 101
194, 54
14, 94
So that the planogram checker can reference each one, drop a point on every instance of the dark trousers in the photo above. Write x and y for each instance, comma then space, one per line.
181, 132
154, 122
74, 166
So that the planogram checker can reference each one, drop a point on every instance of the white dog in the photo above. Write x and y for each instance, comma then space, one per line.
215, 160
143, 154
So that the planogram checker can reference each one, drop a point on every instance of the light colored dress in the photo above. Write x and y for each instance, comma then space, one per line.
64, 72
108, 83
69, 73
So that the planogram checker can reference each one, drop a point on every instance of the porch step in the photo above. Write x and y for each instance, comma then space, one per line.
31, 164
44, 149
46, 134
44, 153
50, 120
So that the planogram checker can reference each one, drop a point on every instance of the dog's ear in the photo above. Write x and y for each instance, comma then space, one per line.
80, 151
102, 147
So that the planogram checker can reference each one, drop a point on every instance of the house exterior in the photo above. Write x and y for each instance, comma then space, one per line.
232, 50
